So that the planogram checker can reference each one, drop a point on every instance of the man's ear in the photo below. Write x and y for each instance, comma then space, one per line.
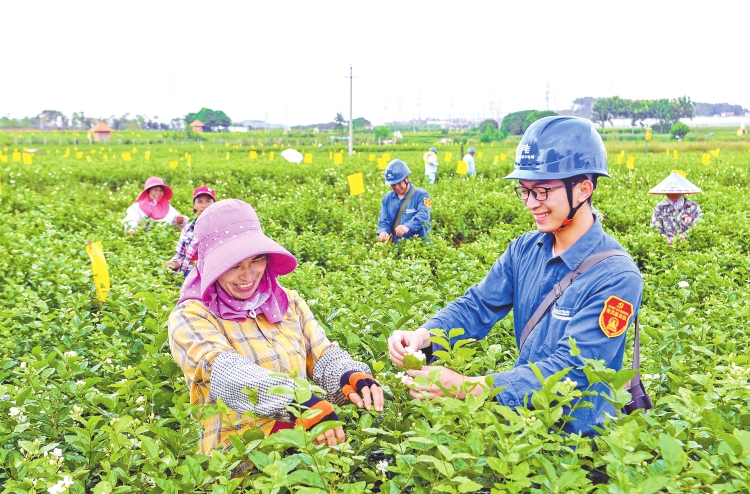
585, 190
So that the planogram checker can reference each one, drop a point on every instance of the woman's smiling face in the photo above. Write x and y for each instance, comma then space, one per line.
241, 281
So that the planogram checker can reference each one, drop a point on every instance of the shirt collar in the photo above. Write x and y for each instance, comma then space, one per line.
582, 248
678, 203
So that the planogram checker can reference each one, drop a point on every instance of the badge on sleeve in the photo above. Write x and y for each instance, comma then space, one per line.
428, 202
615, 316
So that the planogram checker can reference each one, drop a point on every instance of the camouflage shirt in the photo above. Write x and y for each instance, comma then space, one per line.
674, 218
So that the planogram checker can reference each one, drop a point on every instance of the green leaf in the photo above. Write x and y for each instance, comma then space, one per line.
672, 454
149, 446
102, 487
412, 363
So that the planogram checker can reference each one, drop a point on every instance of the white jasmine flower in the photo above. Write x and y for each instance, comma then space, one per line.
108, 361
66, 481
57, 452
400, 375
71, 353
22, 365
140, 400
683, 284
382, 466
14, 411
80, 383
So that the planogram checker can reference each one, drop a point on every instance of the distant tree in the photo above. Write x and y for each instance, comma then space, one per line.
489, 122
582, 106
517, 123
679, 130
607, 109
361, 122
214, 120
339, 122
382, 132
711, 109
81, 121
49, 118
640, 110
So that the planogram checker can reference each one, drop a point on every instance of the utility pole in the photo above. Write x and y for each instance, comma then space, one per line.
546, 96
351, 122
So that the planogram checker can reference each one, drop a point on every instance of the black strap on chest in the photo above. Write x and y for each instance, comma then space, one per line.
560, 287
412, 189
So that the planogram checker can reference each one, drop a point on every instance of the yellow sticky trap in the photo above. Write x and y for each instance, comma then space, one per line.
479, 155
99, 269
79, 154
715, 153
270, 156
275, 145
667, 151
173, 164
253, 155
503, 157
619, 159
16, 156
706, 160
338, 159
88, 158
372, 157
3, 158
495, 161
683, 173
630, 165
226, 144
27, 157
308, 158
330, 155
134, 150
674, 153
125, 156
202, 146
448, 157
462, 167
356, 183
147, 155
382, 163
227, 156
386, 156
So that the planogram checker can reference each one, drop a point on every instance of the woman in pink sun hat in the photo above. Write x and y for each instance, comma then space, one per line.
235, 327
185, 252
153, 202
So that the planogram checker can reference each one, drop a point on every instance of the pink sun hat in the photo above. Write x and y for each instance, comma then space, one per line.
227, 233
204, 189
154, 182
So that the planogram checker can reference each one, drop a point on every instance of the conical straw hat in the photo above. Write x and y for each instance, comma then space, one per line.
675, 184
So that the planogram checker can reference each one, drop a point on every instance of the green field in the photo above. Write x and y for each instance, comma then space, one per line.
93, 393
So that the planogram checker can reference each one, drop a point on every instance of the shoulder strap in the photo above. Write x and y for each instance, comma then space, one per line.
401, 212
559, 288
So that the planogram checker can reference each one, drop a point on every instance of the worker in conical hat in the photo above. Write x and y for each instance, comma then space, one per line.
676, 214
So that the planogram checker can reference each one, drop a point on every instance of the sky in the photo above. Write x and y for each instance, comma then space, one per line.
287, 61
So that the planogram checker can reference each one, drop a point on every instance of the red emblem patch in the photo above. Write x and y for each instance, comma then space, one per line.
615, 316
428, 202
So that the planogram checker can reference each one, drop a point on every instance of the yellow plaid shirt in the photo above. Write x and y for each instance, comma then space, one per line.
197, 337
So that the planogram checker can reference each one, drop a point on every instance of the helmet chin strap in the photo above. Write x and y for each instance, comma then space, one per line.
573, 210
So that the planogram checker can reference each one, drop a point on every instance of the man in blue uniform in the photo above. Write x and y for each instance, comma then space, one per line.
557, 164
405, 211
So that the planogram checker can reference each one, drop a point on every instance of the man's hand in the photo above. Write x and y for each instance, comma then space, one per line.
400, 340
171, 265
401, 230
383, 236
448, 379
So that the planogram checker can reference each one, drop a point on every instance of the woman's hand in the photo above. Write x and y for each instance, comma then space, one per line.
448, 379
383, 236
400, 340
401, 230
362, 390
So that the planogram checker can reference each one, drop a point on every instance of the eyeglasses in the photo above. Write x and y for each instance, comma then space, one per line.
539, 193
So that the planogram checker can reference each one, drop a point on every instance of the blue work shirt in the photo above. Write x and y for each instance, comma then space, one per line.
520, 279
416, 215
